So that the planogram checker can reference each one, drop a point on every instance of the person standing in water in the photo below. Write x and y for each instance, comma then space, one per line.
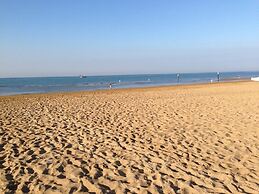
178, 78
218, 76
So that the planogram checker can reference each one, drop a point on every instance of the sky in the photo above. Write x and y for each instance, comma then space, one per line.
107, 37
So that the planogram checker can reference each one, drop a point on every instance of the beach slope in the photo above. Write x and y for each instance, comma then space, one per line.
181, 139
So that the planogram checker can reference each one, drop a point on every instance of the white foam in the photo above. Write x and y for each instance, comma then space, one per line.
255, 79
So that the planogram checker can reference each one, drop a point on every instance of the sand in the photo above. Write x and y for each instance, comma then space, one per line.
182, 139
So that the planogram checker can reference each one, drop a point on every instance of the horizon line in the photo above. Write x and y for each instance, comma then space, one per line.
104, 75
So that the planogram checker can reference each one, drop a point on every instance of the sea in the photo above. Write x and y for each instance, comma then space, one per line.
28, 85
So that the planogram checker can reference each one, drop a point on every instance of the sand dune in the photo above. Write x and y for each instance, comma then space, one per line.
185, 139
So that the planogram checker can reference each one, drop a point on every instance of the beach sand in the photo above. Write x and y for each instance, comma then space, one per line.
180, 139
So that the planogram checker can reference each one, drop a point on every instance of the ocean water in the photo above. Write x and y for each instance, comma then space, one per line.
12, 86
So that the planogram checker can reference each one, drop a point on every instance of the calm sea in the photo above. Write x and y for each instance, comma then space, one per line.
11, 86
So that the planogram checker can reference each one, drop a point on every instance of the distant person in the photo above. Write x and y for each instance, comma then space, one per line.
178, 78
110, 86
218, 76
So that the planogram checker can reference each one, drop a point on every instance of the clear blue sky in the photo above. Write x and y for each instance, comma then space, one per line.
93, 37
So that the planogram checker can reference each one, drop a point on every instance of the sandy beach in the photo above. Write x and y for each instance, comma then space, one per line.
178, 139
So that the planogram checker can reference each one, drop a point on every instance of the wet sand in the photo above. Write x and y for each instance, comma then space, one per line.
181, 139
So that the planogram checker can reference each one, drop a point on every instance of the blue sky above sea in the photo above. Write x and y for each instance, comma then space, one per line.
56, 38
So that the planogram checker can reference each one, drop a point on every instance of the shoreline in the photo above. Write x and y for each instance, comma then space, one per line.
187, 85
